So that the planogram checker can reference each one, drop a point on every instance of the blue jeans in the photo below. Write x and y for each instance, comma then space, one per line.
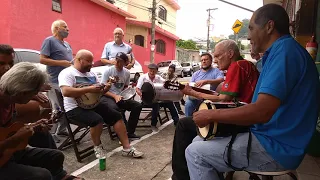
156, 108
205, 159
191, 105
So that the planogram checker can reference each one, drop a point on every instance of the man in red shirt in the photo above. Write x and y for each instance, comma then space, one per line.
240, 83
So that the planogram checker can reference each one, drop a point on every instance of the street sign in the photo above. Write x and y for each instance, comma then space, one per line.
237, 26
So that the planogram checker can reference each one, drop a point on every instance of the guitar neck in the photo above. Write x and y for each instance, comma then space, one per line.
205, 91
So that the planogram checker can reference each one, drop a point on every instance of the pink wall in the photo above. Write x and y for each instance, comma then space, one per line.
26, 24
143, 54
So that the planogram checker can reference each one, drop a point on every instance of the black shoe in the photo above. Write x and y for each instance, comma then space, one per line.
181, 112
133, 137
63, 133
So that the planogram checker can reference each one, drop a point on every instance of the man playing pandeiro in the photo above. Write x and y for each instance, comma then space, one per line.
240, 83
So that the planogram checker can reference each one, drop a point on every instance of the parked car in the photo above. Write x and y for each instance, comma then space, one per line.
189, 68
33, 56
163, 67
135, 72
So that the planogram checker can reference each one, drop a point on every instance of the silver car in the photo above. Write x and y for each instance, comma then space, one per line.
33, 56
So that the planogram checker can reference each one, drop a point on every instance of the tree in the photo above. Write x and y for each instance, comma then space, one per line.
186, 44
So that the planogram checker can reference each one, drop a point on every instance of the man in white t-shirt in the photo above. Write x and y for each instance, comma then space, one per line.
152, 77
113, 97
80, 73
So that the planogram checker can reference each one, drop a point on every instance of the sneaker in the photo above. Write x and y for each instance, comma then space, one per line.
133, 137
154, 129
132, 153
99, 151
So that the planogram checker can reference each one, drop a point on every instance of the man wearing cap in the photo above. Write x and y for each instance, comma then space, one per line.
112, 48
152, 77
115, 100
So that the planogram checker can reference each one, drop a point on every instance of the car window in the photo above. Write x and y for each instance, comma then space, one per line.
185, 64
27, 56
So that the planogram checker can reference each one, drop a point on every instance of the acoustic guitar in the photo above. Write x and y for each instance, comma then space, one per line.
15, 127
91, 100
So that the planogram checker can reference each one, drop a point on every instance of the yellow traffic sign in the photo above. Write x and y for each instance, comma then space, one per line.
237, 26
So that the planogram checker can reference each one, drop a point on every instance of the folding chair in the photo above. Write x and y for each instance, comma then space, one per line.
71, 140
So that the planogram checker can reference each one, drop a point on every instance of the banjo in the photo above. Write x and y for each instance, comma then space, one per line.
91, 100
219, 129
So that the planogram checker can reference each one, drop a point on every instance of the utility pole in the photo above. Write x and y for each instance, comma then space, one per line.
153, 30
208, 24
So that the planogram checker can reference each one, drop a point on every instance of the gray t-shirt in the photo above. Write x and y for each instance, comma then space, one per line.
122, 76
56, 50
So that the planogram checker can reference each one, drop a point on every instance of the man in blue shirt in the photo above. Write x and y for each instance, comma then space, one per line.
56, 53
110, 50
206, 75
283, 112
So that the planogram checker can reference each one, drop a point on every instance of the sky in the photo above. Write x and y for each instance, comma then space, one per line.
192, 17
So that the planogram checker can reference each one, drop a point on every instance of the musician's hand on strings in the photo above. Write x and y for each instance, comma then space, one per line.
40, 97
117, 98
107, 87
187, 90
202, 118
129, 66
45, 88
25, 131
201, 83
96, 88
42, 125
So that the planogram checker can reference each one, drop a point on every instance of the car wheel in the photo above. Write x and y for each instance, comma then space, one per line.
136, 77
191, 72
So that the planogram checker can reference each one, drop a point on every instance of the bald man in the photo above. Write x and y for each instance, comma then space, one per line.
240, 83
80, 73
111, 49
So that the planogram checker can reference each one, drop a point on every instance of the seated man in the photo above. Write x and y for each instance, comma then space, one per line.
240, 83
258, 57
113, 98
281, 128
38, 139
80, 73
29, 163
206, 75
152, 77
170, 76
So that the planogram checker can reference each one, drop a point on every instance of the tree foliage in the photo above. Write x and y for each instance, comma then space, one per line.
186, 44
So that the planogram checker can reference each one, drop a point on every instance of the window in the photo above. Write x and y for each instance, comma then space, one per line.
161, 46
56, 6
162, 14
139, 40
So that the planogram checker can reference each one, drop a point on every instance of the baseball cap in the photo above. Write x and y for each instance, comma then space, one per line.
152, 66
122, 56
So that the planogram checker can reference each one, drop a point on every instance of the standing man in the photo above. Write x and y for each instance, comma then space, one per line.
111, 49
206, 75
115, 100
56, 53
280, 127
